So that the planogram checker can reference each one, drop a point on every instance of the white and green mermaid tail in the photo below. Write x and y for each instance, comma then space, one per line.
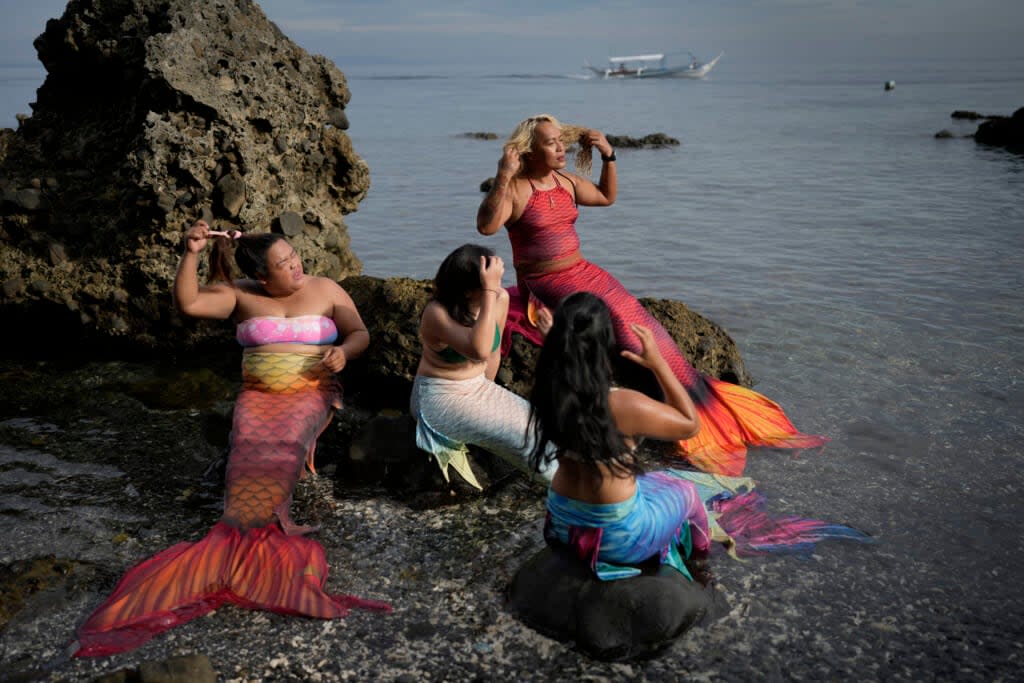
451, 414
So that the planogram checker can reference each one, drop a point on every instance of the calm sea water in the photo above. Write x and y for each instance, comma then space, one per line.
870, 273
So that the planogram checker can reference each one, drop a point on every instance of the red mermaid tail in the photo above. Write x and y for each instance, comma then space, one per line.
262, 568
247, 559
732, 417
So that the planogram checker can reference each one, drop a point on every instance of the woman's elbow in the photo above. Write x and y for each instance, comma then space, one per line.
693, 428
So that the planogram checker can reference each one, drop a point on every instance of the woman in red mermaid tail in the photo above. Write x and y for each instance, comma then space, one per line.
298, 332
536, 199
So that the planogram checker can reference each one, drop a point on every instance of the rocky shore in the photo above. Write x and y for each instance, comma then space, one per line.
115, 413
114, 424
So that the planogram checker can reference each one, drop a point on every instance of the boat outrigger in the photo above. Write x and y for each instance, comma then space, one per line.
652, 66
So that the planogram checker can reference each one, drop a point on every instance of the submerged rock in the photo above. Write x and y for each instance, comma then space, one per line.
650, 140
155, 113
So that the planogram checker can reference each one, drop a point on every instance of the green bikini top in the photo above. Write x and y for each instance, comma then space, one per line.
450, 355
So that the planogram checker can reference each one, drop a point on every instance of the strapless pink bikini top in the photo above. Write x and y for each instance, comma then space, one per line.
302, 329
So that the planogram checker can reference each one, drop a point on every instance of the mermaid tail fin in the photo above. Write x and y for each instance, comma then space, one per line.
262, 568
754, 532
739, 417
738, 519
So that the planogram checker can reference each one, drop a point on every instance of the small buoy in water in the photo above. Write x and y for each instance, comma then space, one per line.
890, 85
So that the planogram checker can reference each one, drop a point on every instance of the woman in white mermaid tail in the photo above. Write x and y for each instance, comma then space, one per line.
454, 398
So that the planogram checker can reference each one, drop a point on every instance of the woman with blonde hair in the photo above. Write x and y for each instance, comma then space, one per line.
536, 199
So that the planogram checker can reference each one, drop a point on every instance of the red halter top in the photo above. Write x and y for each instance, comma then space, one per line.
547, 229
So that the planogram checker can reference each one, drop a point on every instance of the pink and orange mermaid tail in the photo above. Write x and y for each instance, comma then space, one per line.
247, 558
732, 417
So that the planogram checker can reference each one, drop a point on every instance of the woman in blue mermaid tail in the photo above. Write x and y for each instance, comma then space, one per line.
455, 401
600, 502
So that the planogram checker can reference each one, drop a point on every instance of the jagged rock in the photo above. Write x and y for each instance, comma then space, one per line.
944, 133
558, 595
155, 113
1003, 131
479, 135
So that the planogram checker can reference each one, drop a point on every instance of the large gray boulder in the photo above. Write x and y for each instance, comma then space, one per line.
154, 113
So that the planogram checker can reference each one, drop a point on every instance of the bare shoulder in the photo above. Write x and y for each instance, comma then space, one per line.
572, 178
621, 400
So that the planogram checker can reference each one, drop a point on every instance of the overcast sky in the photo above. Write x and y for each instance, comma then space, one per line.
559, 34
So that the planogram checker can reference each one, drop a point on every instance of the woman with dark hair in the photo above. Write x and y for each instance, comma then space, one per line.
537, 200
298, 332
595, 426
600, 501
454, 398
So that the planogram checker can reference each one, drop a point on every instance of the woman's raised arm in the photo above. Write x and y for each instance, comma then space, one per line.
212, 301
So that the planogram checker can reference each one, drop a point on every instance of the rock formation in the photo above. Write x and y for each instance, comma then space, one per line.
1003, 131
391, 308
154, 113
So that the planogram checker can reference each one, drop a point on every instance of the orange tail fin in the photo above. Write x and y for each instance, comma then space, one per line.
739, 417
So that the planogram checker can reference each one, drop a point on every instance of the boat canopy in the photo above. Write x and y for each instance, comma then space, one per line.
638, 58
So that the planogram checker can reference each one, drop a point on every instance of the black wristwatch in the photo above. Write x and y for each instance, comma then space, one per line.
610, 157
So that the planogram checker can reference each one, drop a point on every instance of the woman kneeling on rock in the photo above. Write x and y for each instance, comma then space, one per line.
298, 331
454, 400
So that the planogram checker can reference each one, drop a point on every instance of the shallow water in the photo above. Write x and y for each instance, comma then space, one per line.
870, 273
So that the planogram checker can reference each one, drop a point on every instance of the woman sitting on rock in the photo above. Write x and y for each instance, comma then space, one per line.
298, 332
536, 199
455, 401
600, 502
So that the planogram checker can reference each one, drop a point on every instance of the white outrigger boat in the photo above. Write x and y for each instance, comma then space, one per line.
652, 66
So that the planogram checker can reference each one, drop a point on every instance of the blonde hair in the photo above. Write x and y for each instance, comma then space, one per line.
523, 136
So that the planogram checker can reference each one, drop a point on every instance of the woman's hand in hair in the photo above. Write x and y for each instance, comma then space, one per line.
492, 268
649, 357
196, 236
510, 163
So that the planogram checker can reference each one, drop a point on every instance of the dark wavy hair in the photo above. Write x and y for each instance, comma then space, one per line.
459, 275
248, 253
569, 400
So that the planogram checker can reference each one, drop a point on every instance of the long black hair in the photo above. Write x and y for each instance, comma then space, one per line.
569, 400
250, 255
459, 275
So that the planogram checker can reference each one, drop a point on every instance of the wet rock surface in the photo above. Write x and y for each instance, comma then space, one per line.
155, 113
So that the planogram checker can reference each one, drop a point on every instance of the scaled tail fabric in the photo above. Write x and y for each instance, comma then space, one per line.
674, 512
732, 417
254, 556
738, 518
